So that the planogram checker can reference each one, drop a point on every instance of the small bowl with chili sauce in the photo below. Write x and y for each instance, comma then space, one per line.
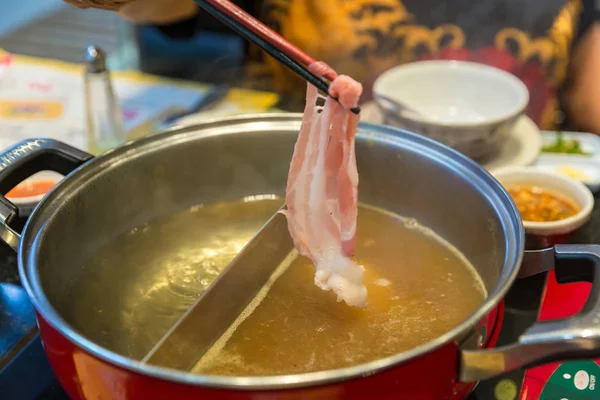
552, 206
31, 191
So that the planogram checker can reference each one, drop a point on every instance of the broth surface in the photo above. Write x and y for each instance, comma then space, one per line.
136, 288
419, 288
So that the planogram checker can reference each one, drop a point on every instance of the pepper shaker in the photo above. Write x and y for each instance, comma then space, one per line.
103, 115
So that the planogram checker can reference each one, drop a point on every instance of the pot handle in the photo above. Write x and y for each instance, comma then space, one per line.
576, 337
21, 161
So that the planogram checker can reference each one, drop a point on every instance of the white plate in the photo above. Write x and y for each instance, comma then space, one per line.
219, 111
584, 169
590, 143
521, 149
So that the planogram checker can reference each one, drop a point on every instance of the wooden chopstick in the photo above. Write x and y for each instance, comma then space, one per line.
266, 33
243, 24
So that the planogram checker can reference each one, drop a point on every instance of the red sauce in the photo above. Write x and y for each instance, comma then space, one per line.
32, 188
538, 205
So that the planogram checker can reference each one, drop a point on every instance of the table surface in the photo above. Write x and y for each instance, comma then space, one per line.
521, 307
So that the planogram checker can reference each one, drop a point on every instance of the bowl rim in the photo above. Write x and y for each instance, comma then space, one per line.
576, 189
456, 64
41, 176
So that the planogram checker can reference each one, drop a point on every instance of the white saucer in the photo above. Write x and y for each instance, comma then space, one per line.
521, 148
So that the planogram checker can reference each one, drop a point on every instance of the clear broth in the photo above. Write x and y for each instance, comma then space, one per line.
136, 288
419, 288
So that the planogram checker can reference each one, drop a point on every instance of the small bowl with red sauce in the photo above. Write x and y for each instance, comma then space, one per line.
552, 206
30, 192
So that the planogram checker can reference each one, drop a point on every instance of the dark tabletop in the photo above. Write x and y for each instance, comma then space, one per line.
8, 265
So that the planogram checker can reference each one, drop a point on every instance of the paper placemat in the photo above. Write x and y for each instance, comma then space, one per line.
44, 98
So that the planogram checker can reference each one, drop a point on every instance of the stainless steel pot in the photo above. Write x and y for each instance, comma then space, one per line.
249, 155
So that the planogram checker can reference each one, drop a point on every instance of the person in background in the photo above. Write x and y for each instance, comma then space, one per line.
553, 46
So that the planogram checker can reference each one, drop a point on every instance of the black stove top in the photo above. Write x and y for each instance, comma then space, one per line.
26, 375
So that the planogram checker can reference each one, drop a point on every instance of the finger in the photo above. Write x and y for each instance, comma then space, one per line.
110, 5
76, 3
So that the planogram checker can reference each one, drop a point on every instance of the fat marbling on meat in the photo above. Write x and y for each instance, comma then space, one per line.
322, 189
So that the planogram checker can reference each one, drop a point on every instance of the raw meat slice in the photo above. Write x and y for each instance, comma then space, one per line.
322, 189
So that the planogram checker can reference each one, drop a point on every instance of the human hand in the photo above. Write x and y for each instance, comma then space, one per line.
143, 11
112, 5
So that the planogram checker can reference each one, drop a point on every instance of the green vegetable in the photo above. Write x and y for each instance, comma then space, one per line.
562, 145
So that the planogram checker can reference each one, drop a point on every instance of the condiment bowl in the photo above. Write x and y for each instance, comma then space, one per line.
468, 106
32, 191
551, 232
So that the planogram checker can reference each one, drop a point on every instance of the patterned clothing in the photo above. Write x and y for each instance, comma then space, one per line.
532, 39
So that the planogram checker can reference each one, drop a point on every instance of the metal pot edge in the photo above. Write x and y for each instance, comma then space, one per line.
27, 261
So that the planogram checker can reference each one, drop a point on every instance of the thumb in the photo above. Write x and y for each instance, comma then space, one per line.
111, 5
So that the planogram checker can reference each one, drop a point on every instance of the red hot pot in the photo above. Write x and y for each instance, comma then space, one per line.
404, 173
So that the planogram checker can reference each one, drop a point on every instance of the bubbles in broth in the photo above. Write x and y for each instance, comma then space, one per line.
419, 288
135, 289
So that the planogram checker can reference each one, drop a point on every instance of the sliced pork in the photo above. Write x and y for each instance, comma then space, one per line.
322, 189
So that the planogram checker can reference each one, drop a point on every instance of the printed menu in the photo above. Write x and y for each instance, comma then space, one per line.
44, 98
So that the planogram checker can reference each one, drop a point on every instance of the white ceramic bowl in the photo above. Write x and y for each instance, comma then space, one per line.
468, 106
27, 204
554, 183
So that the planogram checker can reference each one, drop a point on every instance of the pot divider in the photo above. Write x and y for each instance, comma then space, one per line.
228, 299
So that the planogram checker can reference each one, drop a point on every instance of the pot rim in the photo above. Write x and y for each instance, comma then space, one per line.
508, 215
